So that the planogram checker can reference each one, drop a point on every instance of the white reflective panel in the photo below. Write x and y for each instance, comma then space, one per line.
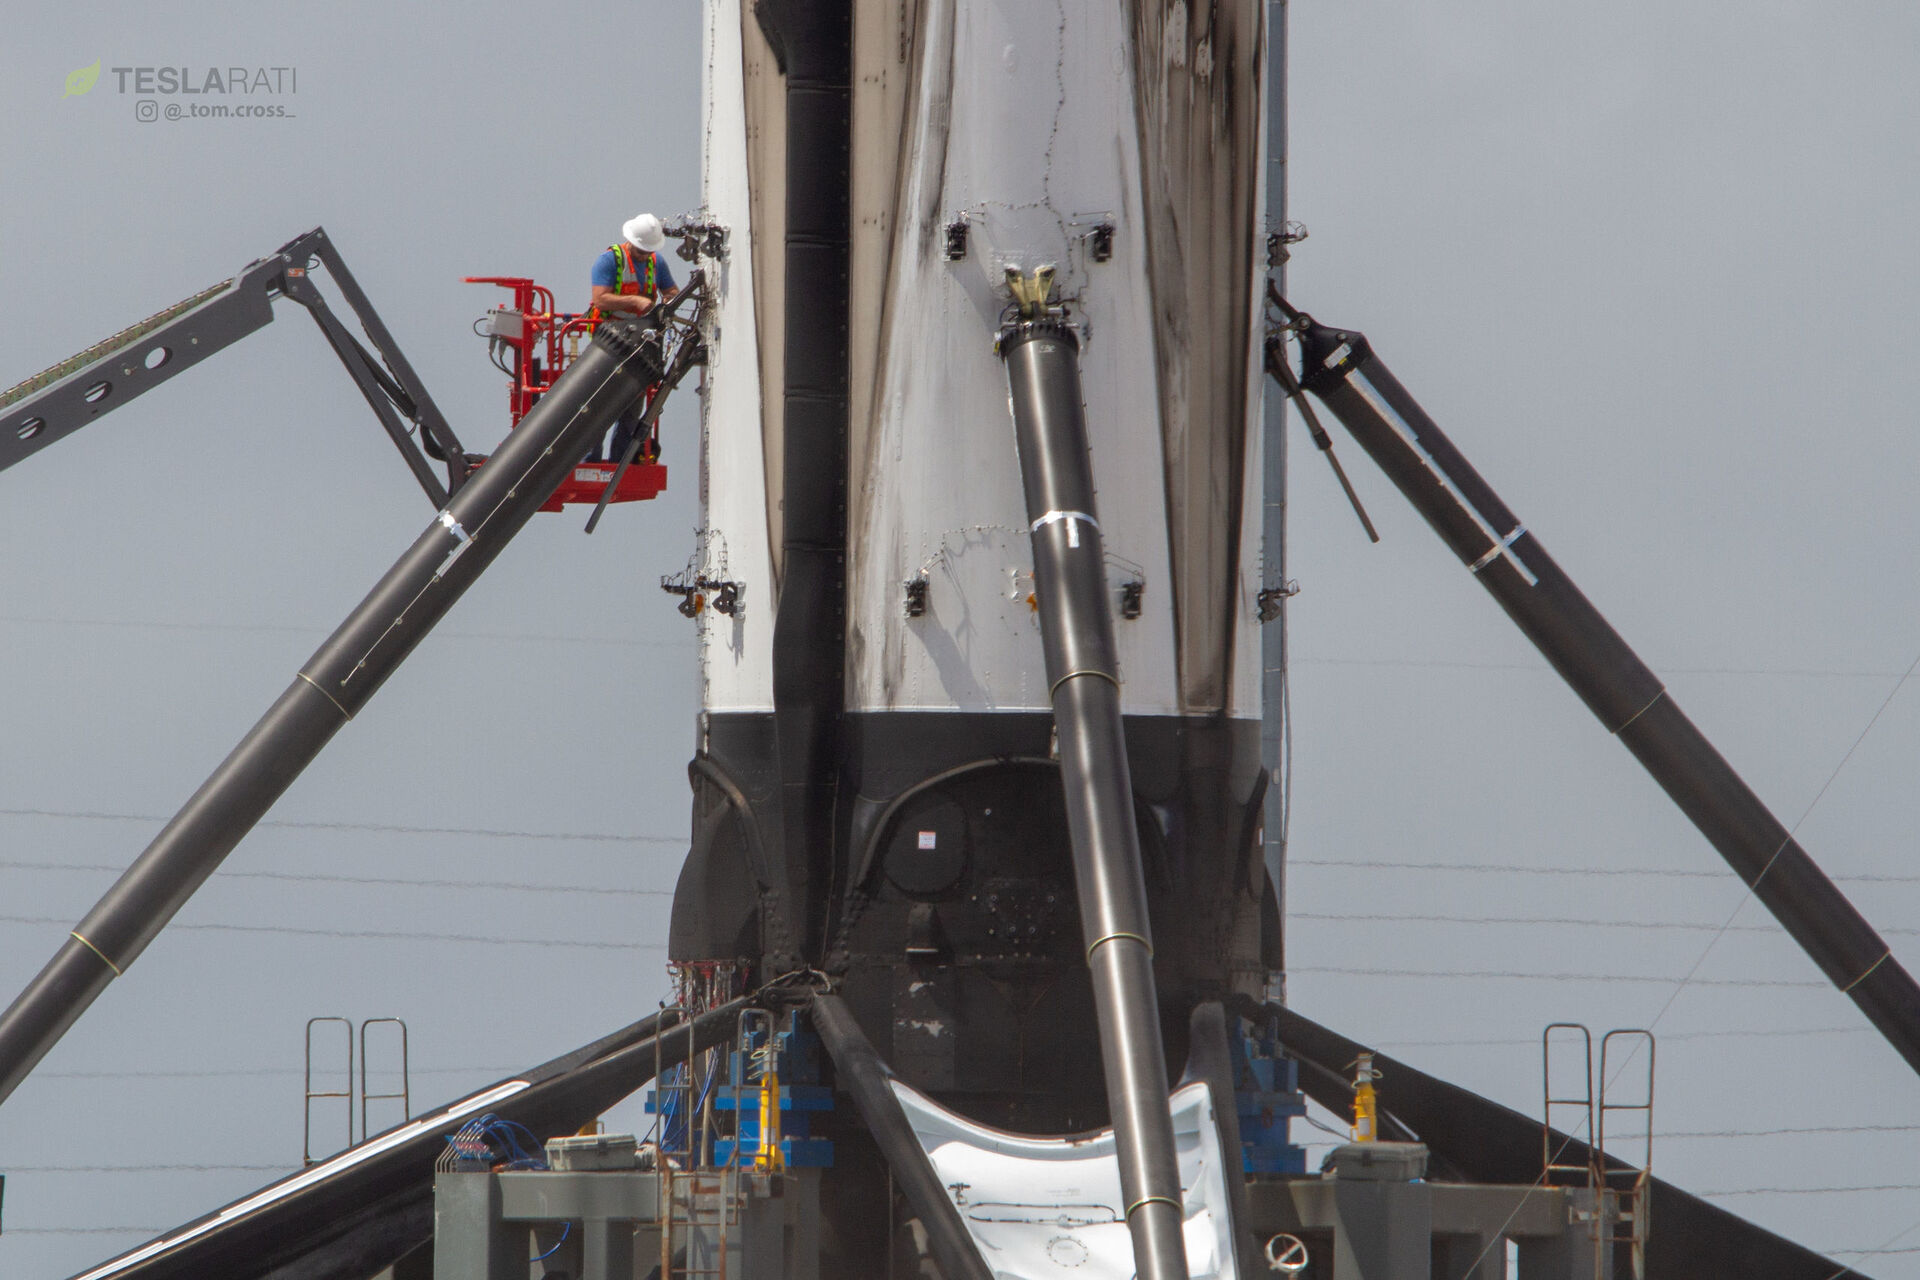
1019, 122
1048, 1207
733, 543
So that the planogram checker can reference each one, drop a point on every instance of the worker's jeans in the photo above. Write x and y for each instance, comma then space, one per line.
623, 432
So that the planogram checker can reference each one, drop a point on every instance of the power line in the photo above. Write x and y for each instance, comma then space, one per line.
150, 1168
1812, 1191
85, 1231
227, 1073
1886, 1246
144, 624
378, 934
1532, 1041
1454, 665
1514, 868
1549, 977
1555, 920
1777, 1133
1502, 868
386, 827
516, 886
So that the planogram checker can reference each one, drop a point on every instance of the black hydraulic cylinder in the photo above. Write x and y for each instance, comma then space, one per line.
335, 683
1076, 630
860, 1071
1590, 656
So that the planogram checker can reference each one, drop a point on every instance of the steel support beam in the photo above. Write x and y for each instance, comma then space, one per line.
1341, 368
336, 682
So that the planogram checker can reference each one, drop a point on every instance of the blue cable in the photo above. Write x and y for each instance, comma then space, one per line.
506, 1134
482, 1138
566, 1230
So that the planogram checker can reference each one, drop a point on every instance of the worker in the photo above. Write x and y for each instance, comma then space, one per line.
631, 278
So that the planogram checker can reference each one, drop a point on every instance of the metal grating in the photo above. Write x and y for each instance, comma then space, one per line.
100, 350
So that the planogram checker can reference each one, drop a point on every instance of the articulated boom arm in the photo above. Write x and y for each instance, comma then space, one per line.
1341, 369
61, 400
610, 376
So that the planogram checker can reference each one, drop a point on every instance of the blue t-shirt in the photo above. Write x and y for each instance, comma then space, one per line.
605, 268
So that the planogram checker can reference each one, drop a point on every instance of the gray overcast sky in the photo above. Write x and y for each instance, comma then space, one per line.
1650, 264
170, 568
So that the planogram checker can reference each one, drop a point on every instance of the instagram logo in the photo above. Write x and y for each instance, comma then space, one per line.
146, 110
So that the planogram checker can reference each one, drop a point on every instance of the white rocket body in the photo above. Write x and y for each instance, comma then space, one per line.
875, 792
1023, 123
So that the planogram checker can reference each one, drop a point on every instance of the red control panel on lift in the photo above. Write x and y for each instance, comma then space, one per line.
532, 343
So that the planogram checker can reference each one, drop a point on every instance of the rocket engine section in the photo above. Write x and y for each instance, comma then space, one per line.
877, 792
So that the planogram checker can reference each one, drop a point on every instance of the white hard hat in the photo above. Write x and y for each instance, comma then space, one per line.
645, 232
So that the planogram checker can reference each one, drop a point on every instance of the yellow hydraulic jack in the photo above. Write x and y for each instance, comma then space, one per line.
1366, 1104
770, 1157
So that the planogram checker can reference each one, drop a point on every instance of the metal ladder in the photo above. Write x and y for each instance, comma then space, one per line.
403, 1095
307, 1158
1554, 1169
1631, 1184
674, 1091
1620, 1196
711, 1197
699, 1205
671, 1097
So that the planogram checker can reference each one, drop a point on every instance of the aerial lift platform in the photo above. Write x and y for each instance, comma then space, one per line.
530, 341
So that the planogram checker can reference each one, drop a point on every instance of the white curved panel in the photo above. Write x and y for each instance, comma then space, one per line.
1022, 124
736, 653
1048, 1207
